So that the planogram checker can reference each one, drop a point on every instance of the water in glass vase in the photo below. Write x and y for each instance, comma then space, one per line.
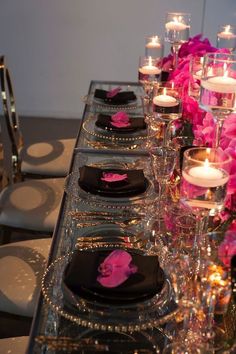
204, 191
218, 93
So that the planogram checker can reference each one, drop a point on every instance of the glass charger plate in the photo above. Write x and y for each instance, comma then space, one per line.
131, 317
100, 104
74, 191
91, 130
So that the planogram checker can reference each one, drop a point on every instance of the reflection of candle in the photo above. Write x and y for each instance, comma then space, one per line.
165, 100
153, 43
221, 84
226, 34
175, 25
205, 176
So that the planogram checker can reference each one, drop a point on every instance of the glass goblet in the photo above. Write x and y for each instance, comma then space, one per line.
218, 88
226, 37
149, 73
154, 47
177, 26
205, 173
167, 106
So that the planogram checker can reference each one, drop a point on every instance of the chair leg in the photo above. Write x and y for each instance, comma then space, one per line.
5, 233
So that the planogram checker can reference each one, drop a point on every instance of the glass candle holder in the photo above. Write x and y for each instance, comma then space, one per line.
177, 28
149, 73
226, 37
154, 46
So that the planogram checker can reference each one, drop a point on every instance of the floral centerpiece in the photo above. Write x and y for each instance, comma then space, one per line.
202, 123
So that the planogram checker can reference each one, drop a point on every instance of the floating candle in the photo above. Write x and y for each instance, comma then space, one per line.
206, 176
175, 25
221, 84
226, 34
154, 43
149, 70
165, 100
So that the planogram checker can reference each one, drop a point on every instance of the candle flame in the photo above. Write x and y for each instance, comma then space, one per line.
226, 73
177, 19
155, 39
150, 61
227, 29
206, 164
164, 91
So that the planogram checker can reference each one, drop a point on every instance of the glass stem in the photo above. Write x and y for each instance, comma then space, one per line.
175, 50
161, 193
219, 127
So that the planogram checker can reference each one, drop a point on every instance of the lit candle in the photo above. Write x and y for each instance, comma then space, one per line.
176, 24
149, 69
205, 176
222, 84
165, 100
226, 34
153, 43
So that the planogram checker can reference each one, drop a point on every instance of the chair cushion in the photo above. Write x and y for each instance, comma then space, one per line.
32, 204
49, 158
14, 345
21, 267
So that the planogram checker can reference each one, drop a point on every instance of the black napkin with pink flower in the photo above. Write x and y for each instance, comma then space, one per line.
115, 98
116, 276
115, 183
120, 123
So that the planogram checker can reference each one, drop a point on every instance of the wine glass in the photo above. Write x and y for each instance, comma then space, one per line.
177, 27
226, 37
195, 70
167, 106
149, 73
154, 46
218, 88
205, 173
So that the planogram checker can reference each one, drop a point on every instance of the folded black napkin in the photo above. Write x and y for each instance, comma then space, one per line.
81, 275
90, 181
104, 122
120, 98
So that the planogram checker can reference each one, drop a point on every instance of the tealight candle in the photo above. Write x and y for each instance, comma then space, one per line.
223, 84
175, 25
226, 34
165, 101
149, 70
153, 43
205, 176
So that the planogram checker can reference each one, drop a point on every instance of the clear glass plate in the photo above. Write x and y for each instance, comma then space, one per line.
74, 191
137, 316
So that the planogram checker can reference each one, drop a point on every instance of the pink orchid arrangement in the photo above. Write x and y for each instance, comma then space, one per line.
116, 268
227, 248
203, 124
113, 177
113, 92
120, 120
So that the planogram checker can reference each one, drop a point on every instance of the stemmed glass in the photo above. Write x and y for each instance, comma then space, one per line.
154, 46
149, 73
218, 88
205, 173
226, 37
177, 27
167, 106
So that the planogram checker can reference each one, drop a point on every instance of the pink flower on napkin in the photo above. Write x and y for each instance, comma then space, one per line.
227, 248
113, 92
120, 120
116, 269
113, 177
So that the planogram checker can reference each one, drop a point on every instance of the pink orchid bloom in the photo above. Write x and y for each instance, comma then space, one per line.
113, 177
113, 92
116, 268
120, 120
227, 248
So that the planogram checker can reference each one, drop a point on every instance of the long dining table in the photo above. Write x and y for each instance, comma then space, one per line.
68, 322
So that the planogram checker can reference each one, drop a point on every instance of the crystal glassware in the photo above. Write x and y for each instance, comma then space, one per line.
154, 46
218, 88
195, 70
167, 106
149, 73
205, 173
226, 37
177, 27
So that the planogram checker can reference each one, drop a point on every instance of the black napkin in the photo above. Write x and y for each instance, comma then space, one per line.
120, 98
104, 121
90, 181
81, 274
